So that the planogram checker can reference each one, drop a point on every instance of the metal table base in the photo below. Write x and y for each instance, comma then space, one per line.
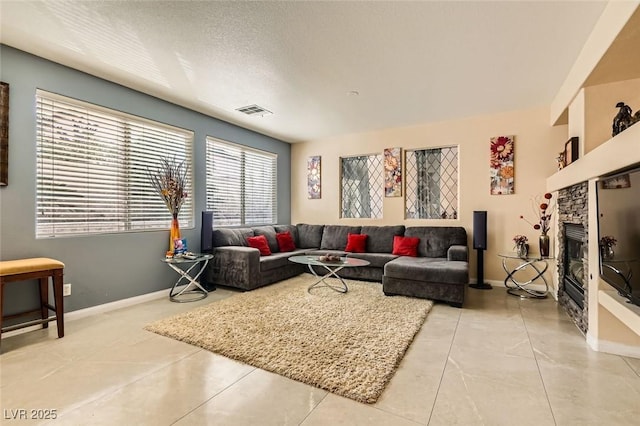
330, 272
520, 288
191, 288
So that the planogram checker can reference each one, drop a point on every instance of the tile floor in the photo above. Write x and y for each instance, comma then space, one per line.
498, 361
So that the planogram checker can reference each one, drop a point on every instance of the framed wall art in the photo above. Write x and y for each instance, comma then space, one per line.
571, 151
393, 172
502, 169
4, 133
314, 178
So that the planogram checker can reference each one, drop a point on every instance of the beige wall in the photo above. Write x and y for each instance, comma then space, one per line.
536, 147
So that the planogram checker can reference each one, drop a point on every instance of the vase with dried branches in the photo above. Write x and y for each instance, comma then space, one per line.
542, 209
169, 180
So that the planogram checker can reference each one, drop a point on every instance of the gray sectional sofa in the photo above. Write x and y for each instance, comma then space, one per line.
439, 272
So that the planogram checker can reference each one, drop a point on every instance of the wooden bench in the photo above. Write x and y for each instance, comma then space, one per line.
40, 268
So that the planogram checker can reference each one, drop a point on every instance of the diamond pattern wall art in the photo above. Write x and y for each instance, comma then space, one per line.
501, 165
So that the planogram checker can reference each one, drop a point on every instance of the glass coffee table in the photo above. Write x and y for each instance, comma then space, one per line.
332, 268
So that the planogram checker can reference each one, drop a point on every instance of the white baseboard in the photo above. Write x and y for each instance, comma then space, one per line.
614, 348
95, 310
118, 304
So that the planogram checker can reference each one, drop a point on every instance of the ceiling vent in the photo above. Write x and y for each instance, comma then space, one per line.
254, 110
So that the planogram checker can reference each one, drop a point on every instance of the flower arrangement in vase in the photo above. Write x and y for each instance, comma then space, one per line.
521, 248
543, 210
606, 246
169, 180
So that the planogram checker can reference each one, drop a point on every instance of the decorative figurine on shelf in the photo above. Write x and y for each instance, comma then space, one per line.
623, 120
560, 160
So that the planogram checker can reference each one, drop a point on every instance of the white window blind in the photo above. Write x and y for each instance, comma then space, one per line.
241, 184
92, 169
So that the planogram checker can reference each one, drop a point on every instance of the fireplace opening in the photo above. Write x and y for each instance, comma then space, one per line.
574, 280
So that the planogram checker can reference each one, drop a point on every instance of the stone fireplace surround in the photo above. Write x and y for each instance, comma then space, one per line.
573, 207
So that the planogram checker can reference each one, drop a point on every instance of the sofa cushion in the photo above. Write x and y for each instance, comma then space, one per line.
277, 260
260, 242
436, 240
285, 242
381, 237
356, 243
309, 236
291, 229
405, 246
376, 260
231, 236
270, 233
428, 269
334, 237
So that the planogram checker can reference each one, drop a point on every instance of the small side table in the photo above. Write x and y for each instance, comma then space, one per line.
192, 288
520, 288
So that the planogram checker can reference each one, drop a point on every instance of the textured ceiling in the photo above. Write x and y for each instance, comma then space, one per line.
411, 62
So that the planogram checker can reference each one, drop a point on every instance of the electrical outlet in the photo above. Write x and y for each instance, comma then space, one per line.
66, 290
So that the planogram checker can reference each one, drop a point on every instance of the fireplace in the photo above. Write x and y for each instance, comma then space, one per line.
573, 265
574, 280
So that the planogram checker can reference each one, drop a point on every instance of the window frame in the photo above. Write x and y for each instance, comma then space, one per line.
407, 197
377, 185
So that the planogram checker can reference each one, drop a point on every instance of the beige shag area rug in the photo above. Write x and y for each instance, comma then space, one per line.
349, 344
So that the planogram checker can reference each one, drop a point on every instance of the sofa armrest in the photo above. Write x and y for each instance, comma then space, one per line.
458, 253
234, 266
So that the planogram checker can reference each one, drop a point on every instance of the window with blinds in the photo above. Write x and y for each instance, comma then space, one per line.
241, 184
93, 169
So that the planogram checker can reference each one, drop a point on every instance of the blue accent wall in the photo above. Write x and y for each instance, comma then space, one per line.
109, 267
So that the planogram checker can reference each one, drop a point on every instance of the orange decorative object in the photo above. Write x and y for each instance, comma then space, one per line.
175, 234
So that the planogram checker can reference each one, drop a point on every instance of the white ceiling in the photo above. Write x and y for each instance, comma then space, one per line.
411, 62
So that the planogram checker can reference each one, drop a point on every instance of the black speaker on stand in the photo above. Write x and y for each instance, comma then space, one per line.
480, 244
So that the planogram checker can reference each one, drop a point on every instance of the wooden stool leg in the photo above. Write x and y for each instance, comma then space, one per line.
44, 300
57, 294
1, 303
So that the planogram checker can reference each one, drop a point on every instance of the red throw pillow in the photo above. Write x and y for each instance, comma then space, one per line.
260, 242
405, 246
285, 241
356, 243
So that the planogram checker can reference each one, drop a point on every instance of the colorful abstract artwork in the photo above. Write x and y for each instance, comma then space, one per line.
393, 172
313, 177
502, 166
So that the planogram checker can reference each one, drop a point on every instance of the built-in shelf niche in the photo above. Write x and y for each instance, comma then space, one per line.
619, 152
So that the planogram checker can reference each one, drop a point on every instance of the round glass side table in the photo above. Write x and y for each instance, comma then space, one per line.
191, 290
537, 266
